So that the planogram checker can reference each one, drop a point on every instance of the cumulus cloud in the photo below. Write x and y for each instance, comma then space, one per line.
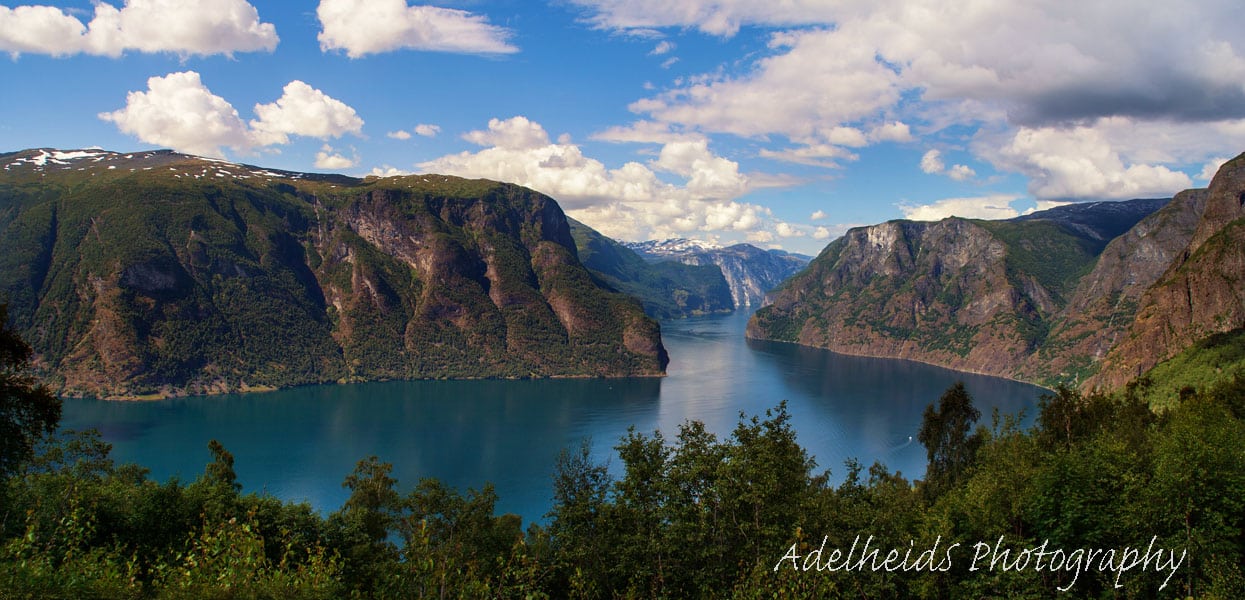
1081, 163
931, 163
400, 134
894, 131
985, 207
426, 130
178, 111
662, 47
817, 215
821, 233
328, 158
787, 230
199, 27
306, 111
628, 202
362, 27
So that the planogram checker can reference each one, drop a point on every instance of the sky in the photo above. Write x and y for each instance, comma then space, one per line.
780, 123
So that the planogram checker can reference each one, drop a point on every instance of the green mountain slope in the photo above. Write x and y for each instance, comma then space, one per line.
158, 273
668, 290
974, 295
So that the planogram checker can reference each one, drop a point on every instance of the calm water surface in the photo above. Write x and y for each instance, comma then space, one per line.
300, 444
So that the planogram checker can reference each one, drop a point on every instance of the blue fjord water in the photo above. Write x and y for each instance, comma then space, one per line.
299, 444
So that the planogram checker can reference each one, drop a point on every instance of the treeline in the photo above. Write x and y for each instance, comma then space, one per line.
691, 516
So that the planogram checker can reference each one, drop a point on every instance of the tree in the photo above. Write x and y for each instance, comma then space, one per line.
948, 445
28, 411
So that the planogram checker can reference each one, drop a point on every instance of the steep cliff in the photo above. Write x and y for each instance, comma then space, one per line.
749, 271
1105, 301
1201, 293
666, 289
973, 295
162, 274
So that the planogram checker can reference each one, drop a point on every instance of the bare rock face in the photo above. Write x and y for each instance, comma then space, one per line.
1202, 292
159, 274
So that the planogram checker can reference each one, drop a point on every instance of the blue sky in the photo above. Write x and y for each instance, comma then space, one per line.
779, 123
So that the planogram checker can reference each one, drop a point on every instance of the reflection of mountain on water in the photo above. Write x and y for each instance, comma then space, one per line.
877, 403
299, 444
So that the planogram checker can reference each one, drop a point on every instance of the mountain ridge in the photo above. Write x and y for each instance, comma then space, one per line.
156, 274
1038, 298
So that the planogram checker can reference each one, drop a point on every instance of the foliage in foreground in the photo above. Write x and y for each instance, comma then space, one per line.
694, 516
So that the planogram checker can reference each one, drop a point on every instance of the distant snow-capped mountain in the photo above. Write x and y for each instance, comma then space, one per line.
749, 271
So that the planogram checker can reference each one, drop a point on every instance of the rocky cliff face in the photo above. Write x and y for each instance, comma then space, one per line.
162, 274
1202, 291
980, 296
749, 271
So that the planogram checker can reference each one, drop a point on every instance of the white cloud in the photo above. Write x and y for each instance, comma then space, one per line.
986, 207
821, 233
944, 67
817, 82
669, 62
931, 162
961, 172
426, 130
306, 111
328, 158
894, 131
784, 229
516, 133
199, 27
628, 202
1211, 167
388, 171
1081, 163
362, 27
400, 134
817, 215
663, 47
178, 111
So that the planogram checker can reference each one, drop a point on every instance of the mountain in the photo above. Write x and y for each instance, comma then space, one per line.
1103, 305
749, 271
157, 273
973, 295
667, 290
1200, 294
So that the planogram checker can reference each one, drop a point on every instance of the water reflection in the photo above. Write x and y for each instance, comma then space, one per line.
300, 443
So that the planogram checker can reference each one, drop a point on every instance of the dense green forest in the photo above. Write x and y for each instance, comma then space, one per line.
689, 516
